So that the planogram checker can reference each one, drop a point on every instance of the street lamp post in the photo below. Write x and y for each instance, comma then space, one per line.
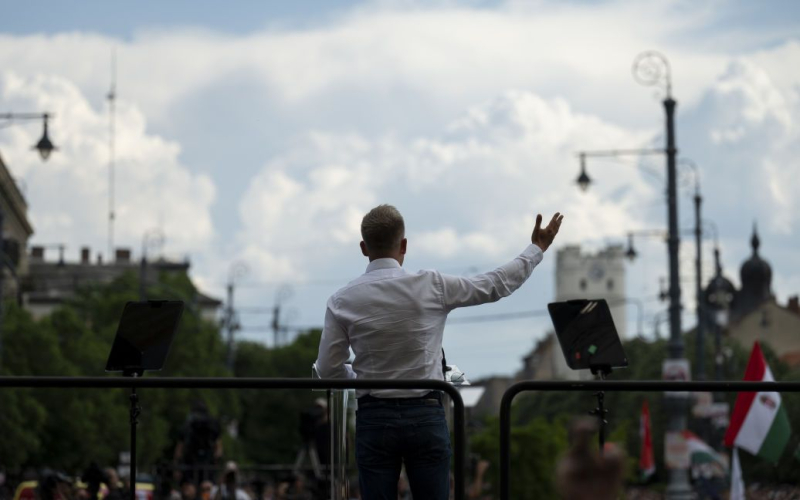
702, 317
230, 321
700, 337
652, 68
720, 299
151, 237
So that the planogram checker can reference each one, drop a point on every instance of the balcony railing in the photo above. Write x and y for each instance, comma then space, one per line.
458, 413
267, 384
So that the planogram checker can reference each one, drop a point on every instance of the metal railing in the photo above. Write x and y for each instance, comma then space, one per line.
607, 385
459, 435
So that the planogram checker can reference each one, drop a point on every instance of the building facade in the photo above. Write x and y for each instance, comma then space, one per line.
16, 230
598, 275
752, 313
52, 282
580, 275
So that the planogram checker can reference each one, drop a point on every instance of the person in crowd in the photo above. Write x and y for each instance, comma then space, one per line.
228, 488
91, 479
206, 488
475, 490
583, 473
112, 484
188, 491
394, 321
200, 446
54, 486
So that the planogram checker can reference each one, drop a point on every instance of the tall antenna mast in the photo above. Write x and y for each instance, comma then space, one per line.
112, 97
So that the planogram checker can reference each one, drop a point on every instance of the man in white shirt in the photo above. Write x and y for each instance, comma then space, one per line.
393, 321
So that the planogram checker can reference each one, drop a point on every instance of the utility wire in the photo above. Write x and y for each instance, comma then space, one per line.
483, 318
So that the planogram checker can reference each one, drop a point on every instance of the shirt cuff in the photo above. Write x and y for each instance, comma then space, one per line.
533, 253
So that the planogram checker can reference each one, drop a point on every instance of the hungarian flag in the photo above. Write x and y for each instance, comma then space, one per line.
647, 463
737, 482
759, 423
701, 453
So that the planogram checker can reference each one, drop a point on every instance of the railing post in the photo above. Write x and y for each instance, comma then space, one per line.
459, 433
505, 442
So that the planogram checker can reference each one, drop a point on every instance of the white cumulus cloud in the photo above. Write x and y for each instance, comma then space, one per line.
68, 194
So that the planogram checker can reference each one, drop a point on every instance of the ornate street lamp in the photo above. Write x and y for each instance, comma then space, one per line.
45, 146
652, 69
631, 253
583, 180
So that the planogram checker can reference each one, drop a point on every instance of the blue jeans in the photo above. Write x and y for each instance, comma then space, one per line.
395, 432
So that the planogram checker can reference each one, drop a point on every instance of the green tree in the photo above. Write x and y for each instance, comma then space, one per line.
269, 420
646, 359
535, 448
67, 428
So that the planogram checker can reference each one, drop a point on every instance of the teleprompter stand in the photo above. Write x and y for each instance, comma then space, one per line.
133, 413
143, 338
600, 412
589, 340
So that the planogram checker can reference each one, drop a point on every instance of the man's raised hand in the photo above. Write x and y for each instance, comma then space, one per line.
542, 238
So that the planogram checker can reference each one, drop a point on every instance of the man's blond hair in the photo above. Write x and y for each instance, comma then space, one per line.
382, 229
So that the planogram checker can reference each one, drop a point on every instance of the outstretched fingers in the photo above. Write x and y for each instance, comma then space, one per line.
537, 229
559, 220
555, 223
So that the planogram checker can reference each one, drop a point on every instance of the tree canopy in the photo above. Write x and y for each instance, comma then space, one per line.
68, 428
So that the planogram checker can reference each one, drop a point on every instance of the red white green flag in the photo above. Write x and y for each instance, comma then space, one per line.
701, 453
647, 462
737, 481
759, 423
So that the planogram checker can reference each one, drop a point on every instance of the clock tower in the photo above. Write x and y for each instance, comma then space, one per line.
598, 275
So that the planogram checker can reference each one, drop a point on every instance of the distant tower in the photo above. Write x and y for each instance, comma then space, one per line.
112, 111
594, 276
756, 277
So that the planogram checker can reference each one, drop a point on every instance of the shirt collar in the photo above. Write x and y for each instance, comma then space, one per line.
387, 263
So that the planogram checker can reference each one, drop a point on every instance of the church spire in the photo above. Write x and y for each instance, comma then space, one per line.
755, 242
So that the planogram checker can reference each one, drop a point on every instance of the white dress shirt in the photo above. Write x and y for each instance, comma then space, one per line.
394, 320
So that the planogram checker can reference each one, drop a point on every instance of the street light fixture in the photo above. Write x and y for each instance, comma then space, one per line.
45, 146
583, 179
631, 253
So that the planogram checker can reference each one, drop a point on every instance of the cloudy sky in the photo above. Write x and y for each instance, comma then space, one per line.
255, 135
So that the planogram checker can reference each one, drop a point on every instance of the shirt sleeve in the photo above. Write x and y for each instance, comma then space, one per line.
334, 348
458, 291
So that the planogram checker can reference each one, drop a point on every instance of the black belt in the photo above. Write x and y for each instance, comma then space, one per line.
431, 396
